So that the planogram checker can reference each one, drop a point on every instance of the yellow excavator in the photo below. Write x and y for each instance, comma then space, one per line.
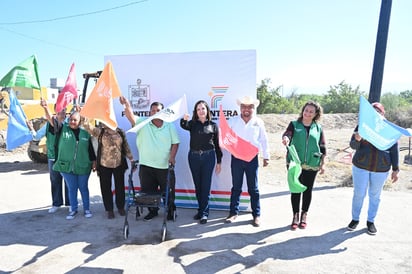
37, 150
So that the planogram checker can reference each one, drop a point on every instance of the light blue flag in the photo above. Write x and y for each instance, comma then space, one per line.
17, 131
404, 131
374, 128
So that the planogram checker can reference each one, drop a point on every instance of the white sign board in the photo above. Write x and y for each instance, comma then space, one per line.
218, 77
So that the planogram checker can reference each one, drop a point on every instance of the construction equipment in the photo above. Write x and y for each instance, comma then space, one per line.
37, 150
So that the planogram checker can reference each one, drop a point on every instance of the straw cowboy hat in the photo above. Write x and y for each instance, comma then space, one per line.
247, 100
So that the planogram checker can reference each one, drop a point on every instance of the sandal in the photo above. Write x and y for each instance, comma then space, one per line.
295, 221
302, 224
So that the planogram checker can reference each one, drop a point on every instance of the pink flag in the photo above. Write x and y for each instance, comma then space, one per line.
69, 92
237, 146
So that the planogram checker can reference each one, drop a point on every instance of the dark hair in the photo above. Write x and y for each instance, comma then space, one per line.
157, 104
318, 110
195, 117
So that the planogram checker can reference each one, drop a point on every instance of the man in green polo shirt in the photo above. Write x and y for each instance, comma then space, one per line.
157, 143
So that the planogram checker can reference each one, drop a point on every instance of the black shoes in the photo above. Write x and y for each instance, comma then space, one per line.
352, 225
203, 220
150, 216
371, 228
197, 217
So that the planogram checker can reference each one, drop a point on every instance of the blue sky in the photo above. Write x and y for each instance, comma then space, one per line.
304, 46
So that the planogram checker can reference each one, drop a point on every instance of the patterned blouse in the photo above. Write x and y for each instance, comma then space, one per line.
111, 146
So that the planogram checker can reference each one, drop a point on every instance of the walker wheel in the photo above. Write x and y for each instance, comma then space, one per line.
174, 215
126, 231
164, 232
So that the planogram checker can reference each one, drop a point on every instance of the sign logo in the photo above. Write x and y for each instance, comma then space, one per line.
139, 95
216, 96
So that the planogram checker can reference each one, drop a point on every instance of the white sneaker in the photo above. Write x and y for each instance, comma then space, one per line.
71, 215
88, 214
53, 209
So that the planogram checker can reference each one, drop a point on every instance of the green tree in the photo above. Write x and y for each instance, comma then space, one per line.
271, 100
407, 96
342, 98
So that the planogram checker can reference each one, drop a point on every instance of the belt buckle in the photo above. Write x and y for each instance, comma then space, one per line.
201, 152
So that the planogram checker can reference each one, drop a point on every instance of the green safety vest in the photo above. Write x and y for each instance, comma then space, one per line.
50, 143
307, 145
73, 156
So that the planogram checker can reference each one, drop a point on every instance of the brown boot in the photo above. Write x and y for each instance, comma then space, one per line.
110, 214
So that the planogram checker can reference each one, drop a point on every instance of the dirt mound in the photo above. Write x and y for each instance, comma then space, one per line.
279, 122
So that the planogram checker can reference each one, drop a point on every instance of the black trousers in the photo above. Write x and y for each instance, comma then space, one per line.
153, 180
307, 178
105, 175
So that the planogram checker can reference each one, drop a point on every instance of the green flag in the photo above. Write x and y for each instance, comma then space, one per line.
24, 74
294, 171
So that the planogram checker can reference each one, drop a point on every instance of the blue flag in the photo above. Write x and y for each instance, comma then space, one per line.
374, 128
17, 131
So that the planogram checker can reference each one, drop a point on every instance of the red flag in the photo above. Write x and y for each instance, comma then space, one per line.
237, 146
69, 92
99, 105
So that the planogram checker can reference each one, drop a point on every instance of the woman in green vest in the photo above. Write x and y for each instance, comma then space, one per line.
75, 160
307, 136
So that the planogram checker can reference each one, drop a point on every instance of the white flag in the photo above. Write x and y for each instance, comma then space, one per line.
168, 114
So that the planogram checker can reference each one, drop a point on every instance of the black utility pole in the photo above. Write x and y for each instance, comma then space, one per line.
380, 51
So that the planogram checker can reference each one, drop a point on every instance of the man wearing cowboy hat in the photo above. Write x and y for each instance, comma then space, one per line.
252, 129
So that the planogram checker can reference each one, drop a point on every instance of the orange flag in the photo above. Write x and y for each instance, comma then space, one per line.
99, 105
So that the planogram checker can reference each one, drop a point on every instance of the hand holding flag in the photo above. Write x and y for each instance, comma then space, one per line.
374, 127
168, 114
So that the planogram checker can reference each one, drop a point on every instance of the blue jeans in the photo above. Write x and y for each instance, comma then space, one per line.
74, 183
201, 166
367, 181
250, 169
56, 181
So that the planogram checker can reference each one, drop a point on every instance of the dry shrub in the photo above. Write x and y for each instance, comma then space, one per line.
401, 117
